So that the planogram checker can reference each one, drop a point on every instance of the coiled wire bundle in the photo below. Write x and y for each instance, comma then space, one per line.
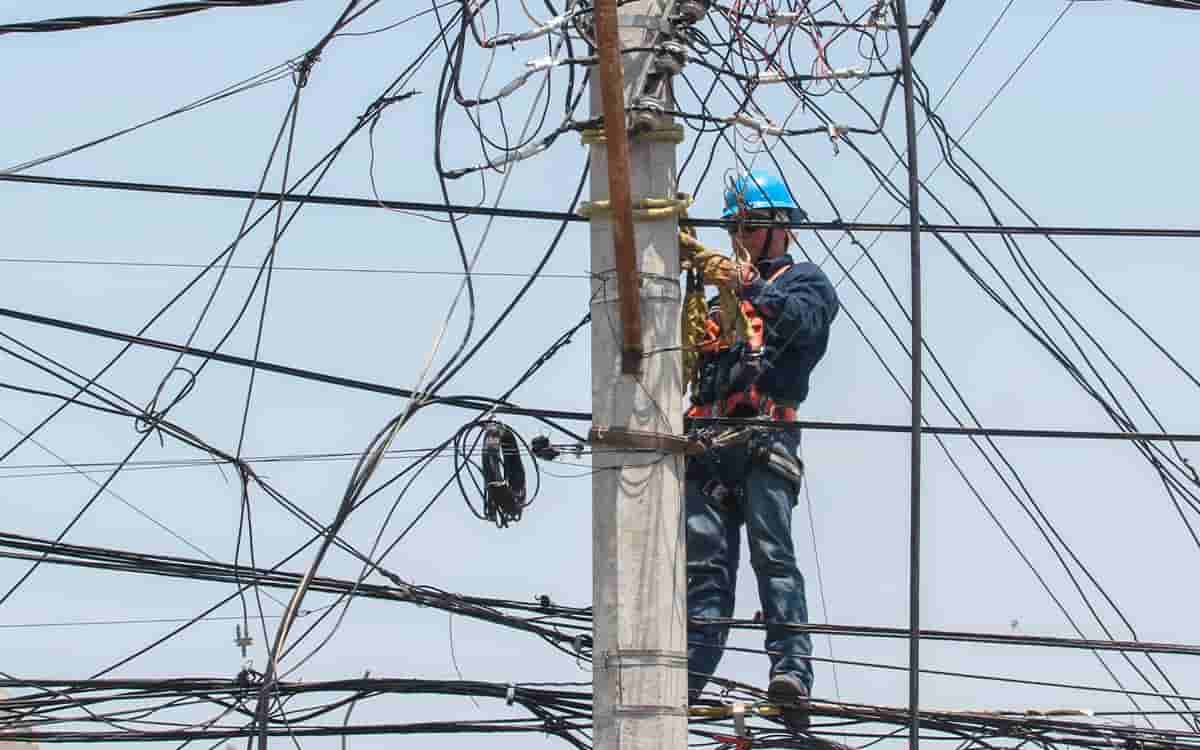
489, 453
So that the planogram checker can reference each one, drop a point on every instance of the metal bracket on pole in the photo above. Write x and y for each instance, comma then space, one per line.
640, 440
622, 658
654, 23
643, 712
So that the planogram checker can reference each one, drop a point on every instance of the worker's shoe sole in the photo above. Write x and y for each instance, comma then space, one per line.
791, 696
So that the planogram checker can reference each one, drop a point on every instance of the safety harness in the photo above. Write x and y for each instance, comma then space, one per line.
739, 400
742, 400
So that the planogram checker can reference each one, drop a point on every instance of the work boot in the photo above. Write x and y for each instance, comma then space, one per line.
791, 695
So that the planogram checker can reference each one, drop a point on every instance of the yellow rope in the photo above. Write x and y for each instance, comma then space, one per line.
646, 209
670, 134
706, 266
695, 312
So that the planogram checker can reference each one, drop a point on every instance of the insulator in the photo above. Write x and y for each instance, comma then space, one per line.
691, 11
647, 110
671, 59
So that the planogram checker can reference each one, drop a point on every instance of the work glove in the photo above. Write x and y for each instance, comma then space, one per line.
713, 266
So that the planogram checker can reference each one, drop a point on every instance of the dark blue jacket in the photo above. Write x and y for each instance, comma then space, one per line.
797, 310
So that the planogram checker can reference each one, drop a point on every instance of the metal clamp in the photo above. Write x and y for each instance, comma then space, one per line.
626, 658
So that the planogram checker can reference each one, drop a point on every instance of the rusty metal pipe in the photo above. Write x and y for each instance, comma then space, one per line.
612, 97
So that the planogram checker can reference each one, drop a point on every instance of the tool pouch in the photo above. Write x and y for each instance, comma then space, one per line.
778, 458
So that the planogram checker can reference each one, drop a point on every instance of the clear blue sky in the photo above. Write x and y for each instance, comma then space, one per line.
1095, 130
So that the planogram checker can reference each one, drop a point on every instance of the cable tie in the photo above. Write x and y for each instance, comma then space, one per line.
577, 644
533, 68
524, 36
511, 695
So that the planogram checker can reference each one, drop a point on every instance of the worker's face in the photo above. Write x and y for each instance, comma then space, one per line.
753, 238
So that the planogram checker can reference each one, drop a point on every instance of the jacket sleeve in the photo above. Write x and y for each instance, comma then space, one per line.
797, 307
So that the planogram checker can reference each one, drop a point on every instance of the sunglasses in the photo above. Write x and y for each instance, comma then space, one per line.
744, 225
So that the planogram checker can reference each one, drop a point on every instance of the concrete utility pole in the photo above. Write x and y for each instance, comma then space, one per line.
639, 589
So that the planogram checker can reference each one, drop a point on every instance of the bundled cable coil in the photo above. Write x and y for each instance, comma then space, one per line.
489, 453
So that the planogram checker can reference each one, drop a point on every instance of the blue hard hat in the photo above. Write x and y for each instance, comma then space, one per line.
758, 190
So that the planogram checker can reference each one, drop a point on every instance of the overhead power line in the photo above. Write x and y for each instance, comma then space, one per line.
74, 23
17, 546
1173, 4
138, 621
524, 213
484, 404
277, 269
469, 402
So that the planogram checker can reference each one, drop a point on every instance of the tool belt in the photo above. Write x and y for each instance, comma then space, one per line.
724, 473
761, 449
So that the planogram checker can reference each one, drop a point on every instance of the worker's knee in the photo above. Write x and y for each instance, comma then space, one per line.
772, 559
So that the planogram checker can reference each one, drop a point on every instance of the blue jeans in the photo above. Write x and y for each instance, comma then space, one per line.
713, 540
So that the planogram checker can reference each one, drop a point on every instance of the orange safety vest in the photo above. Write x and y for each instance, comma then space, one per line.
749, 402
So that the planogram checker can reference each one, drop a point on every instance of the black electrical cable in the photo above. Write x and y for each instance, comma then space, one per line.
482, 403
157, 12
832, 226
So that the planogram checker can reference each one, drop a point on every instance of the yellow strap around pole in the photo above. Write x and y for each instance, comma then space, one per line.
646, 209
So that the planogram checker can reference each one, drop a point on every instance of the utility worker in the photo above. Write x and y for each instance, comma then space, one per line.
751, 475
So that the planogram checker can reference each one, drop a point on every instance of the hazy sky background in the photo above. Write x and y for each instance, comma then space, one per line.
1096, 130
